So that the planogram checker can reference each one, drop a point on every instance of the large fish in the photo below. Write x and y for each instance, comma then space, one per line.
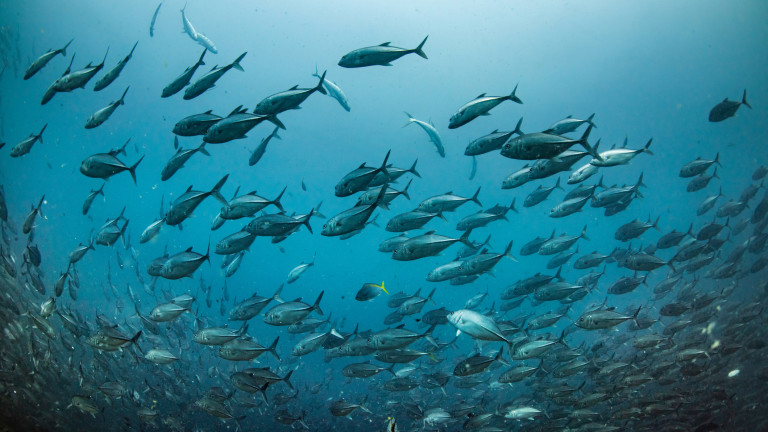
44, 59
236, 125
480, 106
380, 55
103, 114
177, 160
105, 165
183, 264
287, 100
196, 124
79, 78
112, 75
209, 80
184, 205
727, 108
182, 80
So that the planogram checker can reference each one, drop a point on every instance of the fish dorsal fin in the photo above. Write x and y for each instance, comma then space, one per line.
297, 299
568, 116
494, 131
189, 249
189, 188
725, 100
210, 111
294, 87
485, 250
400, 326
429, 232
362, 165
480, 95
385, 44
450, 192
253, 192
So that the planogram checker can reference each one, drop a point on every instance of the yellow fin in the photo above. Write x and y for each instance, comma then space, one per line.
383, 289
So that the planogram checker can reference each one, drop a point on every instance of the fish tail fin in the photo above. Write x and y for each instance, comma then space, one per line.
584, 233
465, 238
316, 306
306, 218
717, 159
273, 348
517, 127
105, 57
133, 49
640, 182
589, 119
135, 341
383, 288
499, 357
276, 295
122, 231
744, 100
634, 316
236, 63
431, 293
561, 339
40, 135
410, 119
557, 184
319, 86
276, 121
512, 205
714, 174
383, 168
474, 197
647, 148
508, 250
420, 49
216, 191
656, 223
200, 61
202, 149
287, 379
38, 209
513, 96
585, 143
276, 201
441, 216
64, 50
404, 192
391, 369
132, 169
412, 169
122, 98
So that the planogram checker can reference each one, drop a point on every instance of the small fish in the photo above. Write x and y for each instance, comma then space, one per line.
103, 114
480, 106
25, 146
431, 132
154, 18
182, 80
29, 221
369, 291
91, 196
112, 75
209, 80
44, 59
303, 186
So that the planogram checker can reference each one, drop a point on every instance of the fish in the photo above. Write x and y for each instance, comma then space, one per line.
183, 264
105, 165
184, 205
360, 178
154, 18
428, 244
539, 145
208, 80
178, 160
476, 325
480, 106
369, 291
182, 80
698, 166
50, 92
189, 29
447, 202
91, 196
380, 55
43, 60
79, 78
429, 128
297, 271
25, 146
196, 124
334, 91
259, 151
621, 156
287, 100
206, 42
103, 114
235, 126
568, 124
248, 205
727, 108
112, 75
292, 312
29, 221
491, 142
353, 219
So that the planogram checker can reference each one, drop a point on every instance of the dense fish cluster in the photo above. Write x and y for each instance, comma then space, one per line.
558, 348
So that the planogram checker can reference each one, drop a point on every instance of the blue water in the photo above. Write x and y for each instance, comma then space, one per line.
647, 69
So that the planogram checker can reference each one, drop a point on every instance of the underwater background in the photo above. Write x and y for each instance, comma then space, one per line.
649, 69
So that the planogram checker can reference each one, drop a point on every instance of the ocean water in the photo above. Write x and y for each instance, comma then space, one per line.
646, 69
